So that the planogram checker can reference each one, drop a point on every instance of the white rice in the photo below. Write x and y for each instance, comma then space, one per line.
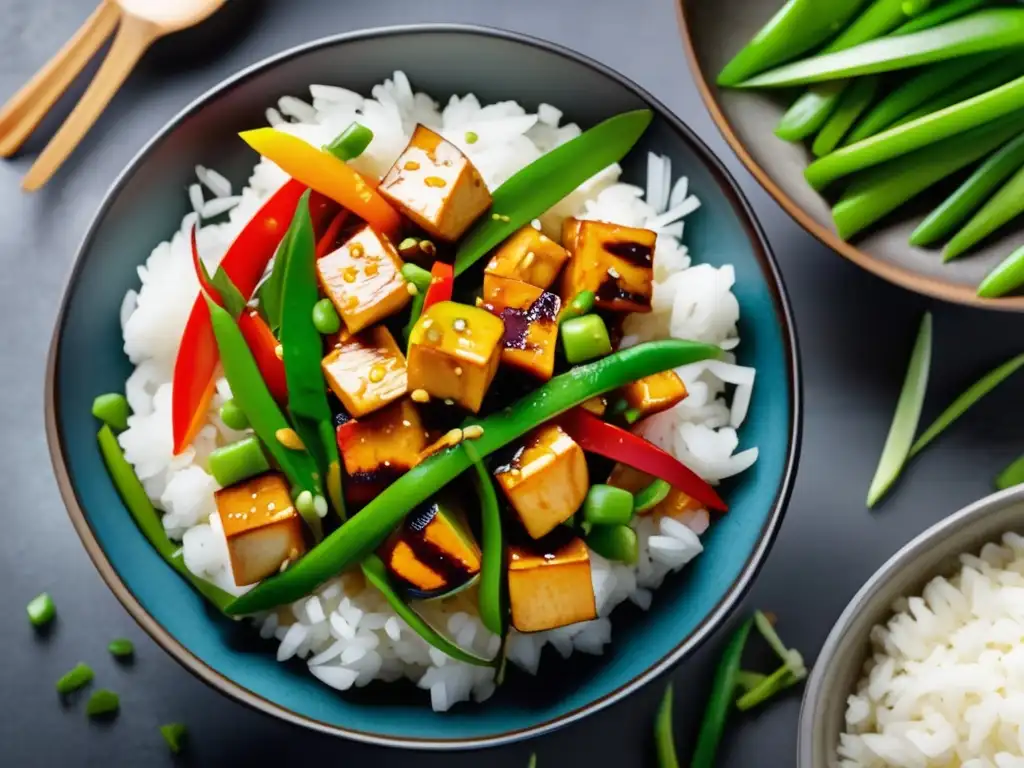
945, 684
346, 633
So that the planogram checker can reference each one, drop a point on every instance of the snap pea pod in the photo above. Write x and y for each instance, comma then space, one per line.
1006, 277
799, 26
919, 89
1004, 206
852, 104
921, 133
145, 515
492, 600
947, 11
971, 194
419, 277
255, 400
883, 189
994, 29
360, 535
720, 703
663, 738
548, 179
651, 496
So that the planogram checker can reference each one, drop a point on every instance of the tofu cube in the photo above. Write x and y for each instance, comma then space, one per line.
432, 552
550, 589
366, 371
454, 351
363, 279
616, 263
380, 448
546, 481
530, 315
596, 405
677, 504
654, 394
436, 186
529, 255
262, 527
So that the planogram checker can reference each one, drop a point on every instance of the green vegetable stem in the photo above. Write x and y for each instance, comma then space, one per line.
493, 601
664, 740
1012, 475
112, 409
235, 462
852, 104
1006, 205
1006, 277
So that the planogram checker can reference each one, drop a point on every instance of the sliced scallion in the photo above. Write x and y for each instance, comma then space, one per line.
1012, 475
41, 610
102, 702
121, 648
71, 681
112, 408
175, 735
663, 738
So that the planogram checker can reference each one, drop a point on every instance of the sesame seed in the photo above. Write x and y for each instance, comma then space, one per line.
613, 273
458, 370
377, 374
411, 165
453, 436
411, 289
420, 396
435, 181
460, 324
528, 260
350, 274
515, 472
427, 323
279, 352
473, 431
271, 507
496, 216
285, 564
406, 423
289, 439
449, 401
356, 250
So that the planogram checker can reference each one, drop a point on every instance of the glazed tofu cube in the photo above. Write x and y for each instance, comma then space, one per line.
363, 279
529, 255
264, 531
570, 228
654, 394
547, 480
530, 315
676, 504
366, 371
432, 551
614, 262
550, 588
436, 186
596, 405
454, 351
379, 449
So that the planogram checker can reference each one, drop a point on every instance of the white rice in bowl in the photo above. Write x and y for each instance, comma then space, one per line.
345, 632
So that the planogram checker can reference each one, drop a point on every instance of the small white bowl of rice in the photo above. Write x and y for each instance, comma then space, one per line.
925, 667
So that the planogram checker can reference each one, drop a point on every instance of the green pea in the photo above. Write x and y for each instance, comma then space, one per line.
585, 338
233, 463
112, 409
325, 317
615, 542
608, 505
233, 416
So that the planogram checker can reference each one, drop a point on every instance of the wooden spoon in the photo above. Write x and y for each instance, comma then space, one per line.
142, 23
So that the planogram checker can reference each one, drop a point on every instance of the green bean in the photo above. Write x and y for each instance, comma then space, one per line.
121, 648
881, 190
41, 610
651, 496
364, 532
947, 11
492, 594
79, 676
971, 194
233, 416
798, 27
584, 338
102, 702
239, 461
810, 111
351, 142
614, 542
663, 737
1012, 475
420, 278
1006, 277
581, 304
852, 104
607, 505
1004, 206
112, 409
720, 702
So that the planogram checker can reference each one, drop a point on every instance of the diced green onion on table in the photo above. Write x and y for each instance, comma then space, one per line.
102, 703
78, 677
175, 735
41, 610
121, 648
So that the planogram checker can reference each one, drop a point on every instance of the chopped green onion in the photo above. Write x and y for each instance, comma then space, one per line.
325, 317
351, 142
632, 415
1007, 276
615, 542
533, 761
585, 338
778, 681
102, 702
1012, 475
175, 735
792, 658
663, 738
41, 610
235, 462
651, 496
974, 393
608, 505
749, 680
907, 415
79, 676
112, 408
305, 504
121, 648
233, 416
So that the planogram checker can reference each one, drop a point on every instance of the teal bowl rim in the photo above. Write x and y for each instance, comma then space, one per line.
688, 645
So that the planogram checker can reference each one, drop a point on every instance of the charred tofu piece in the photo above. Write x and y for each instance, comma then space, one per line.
550, 587
263, 529
530, 316
366, 371
454, 351
363, 279
436, 186
379, 449
676, 504
654, 394
546, 481
433, 553
616, 263
529, 255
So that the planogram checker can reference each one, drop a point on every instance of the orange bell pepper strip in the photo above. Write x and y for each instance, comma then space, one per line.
442, 284
327, 174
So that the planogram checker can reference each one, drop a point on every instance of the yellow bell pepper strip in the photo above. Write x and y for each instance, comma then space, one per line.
326, 174
358, 537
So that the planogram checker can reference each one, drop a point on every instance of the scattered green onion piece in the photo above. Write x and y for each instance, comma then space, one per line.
102, 702
632, 416
80, 675
580, 304
533, 761
351, 142
585, 338
1004, 206
974, 393
614, 542
121, 648
775, 683
607, 505
1012, 475
41, 610
233, 416
325, 317
239, 461
112, 409
946, 12
721, 700
175, 734
747, 681
1006, 277
663, 738
651, 496
790, 657
907, 415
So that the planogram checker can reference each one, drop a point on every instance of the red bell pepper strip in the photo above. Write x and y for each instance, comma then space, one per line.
442, 283
597, 436
263, 345
326, 242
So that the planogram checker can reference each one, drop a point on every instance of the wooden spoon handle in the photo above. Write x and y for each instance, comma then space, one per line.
23, 112
133, 37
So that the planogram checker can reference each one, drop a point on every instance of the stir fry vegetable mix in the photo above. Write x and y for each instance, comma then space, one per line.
904, 95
